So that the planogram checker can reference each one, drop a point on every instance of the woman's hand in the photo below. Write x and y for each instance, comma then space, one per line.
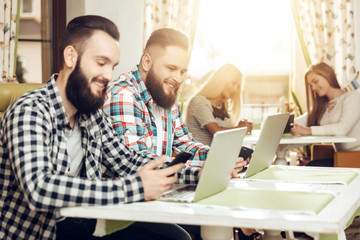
298, 129
246, 123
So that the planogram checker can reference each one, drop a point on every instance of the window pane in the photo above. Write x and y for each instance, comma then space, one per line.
27, 6
34, 42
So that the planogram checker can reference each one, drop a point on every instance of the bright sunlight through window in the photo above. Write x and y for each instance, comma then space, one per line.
254, 35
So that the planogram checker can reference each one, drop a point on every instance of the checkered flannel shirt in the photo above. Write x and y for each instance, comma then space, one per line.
128, 103
34, 162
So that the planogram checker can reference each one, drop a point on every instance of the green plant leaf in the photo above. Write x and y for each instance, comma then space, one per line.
296, 101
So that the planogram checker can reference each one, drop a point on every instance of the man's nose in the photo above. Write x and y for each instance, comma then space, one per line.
108, 74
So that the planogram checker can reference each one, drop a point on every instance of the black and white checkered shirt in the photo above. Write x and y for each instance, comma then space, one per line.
34, 162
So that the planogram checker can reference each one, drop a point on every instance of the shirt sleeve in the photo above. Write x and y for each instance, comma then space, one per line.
302, 120
184, 141
349, 116
38, 166
200, 108
126, 111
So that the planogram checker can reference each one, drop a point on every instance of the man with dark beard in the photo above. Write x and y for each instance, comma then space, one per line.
142, 103
54, 142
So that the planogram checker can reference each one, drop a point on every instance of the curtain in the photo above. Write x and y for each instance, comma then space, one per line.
326, 33
180, 14
8, 39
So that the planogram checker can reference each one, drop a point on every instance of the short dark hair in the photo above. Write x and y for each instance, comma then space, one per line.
82, 28
164, 37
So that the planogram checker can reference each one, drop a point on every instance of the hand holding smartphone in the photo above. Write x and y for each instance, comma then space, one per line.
180, 158
245, 152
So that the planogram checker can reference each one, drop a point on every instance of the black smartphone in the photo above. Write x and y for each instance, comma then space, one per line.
245, 152
181, 158
289, 123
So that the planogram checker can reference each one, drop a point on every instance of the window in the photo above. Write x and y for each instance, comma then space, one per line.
41, 24
254, 36
27, 7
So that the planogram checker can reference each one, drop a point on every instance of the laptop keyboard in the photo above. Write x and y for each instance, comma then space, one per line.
181, 192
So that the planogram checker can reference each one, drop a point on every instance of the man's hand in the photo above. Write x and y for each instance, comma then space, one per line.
156, 182
240, 164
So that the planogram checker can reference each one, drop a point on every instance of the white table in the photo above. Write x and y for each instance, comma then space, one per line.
217, 222
292, 142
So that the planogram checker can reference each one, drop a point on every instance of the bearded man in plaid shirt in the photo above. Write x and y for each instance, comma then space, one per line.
142, 103
54, 143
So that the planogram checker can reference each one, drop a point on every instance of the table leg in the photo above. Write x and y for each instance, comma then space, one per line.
216, 233
280, 155
281, 152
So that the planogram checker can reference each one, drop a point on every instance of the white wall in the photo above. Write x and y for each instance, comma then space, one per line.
31, 56
127, 15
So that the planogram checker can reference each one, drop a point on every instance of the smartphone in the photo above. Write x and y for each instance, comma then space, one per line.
245, 152
181, 158
289, 123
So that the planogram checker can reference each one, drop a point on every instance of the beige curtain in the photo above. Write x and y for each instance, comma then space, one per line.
326, 33
180, 14
8, 39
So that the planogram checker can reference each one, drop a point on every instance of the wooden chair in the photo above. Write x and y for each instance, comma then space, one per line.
320, 151
350, 159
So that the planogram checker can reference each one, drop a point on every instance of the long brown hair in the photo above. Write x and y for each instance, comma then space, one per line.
316, 105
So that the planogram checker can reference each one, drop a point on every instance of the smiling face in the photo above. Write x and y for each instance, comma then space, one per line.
87, 83
318, 84
166, 74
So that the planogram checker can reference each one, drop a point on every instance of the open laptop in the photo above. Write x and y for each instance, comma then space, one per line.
269, 139
216, 174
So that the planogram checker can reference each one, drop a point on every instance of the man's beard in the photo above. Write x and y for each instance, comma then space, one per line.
79, 93
156, 89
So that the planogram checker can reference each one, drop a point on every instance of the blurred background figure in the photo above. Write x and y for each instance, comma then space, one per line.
216, 105
330, 110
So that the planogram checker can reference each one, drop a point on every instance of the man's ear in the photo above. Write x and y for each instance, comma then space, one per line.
70, 57
146, 62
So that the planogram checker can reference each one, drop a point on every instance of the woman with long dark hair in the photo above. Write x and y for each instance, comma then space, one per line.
330, 109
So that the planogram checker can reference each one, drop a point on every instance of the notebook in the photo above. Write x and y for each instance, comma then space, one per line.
269, 139
216, 174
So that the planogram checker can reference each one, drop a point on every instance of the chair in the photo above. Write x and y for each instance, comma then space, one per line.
321, 151
9, 92
347, 159
350, 159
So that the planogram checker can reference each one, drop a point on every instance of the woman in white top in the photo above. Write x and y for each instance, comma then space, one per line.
331, 110
216, 105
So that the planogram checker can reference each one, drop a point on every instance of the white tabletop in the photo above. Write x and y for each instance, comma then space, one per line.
332, 219
289, 142
300, 139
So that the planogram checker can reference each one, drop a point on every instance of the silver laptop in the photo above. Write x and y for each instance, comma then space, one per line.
269, 139
216, 174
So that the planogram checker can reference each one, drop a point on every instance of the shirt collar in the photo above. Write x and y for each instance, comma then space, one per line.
56, 101
138, 81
